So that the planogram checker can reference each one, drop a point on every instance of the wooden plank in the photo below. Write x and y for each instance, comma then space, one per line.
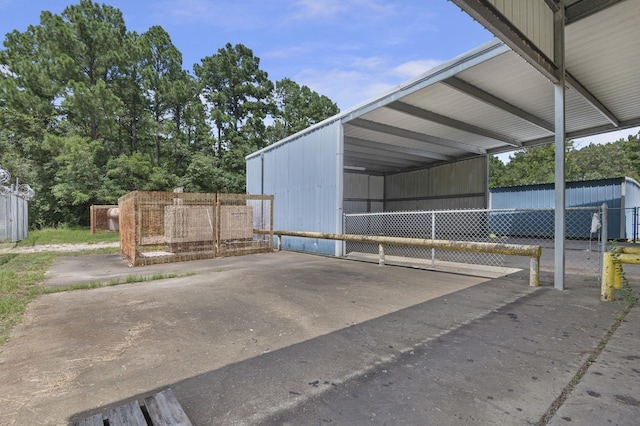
165, 410
129, 415
95, 420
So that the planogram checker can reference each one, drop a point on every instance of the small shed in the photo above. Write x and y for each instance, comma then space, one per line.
622, 196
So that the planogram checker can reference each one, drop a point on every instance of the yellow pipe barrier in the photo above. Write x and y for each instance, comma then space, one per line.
534, 252
612, 275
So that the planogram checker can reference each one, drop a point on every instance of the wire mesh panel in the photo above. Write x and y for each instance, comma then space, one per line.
239, 216
528, 227
103, 217
160, 227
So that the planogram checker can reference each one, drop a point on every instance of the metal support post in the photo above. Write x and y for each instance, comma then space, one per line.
560, 131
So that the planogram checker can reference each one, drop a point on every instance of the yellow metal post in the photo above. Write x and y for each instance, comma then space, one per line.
608, 273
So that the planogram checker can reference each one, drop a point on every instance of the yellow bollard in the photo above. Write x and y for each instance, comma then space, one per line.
612, 273
631, 250
608, 273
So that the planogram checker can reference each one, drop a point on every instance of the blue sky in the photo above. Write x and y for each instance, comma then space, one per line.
348, 50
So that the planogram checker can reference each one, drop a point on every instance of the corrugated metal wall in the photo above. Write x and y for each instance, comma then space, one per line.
632, 209
14, 217
620, 195
363, 193
302, 174
459, 185
578, 194
533, 18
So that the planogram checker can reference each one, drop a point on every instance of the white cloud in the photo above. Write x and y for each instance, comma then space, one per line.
182, 11
319, 9
324, 9
364, 79
374, 63
413, 69
347, 88
237, 16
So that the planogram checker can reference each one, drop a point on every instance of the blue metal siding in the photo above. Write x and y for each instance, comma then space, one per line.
302, 175
578, 194
254, 175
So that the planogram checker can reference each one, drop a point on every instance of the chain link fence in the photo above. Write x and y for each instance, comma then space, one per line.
528, 227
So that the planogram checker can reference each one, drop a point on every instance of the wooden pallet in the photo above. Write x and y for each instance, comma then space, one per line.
161, 409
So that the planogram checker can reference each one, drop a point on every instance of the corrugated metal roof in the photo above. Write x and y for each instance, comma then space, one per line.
490, 100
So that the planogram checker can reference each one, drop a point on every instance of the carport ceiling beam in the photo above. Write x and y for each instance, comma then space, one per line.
420, 137
584, 8
355, 153
577, 134
481, 95
491, 18
450, 122
595, 102
369, 167
396, 149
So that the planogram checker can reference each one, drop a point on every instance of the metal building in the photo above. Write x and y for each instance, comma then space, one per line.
622, 196
423, 145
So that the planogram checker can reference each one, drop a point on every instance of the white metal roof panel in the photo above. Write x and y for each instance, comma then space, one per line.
603, 52
503, 77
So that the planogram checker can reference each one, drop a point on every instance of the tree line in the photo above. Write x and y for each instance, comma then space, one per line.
90, 111
594, 161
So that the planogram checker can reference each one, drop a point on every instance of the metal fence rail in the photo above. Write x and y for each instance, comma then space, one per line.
523, 227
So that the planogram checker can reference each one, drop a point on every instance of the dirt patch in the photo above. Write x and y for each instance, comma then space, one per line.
64, 248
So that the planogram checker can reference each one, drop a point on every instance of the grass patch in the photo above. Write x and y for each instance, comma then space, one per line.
20, 279
67, 235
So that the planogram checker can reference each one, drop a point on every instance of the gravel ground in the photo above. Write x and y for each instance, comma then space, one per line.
58, 247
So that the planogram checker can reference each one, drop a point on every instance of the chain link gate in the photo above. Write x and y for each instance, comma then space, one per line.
526, 227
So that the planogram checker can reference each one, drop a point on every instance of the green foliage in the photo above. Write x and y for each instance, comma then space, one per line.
19, 278
67, 235
298, 107
537, 164
90, 111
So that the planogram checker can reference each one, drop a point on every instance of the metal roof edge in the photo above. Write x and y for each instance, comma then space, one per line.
484, 52
447, 69
632, 180
568, 184
297, 135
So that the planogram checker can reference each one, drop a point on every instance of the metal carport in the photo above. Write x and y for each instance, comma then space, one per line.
502, 96
493, 99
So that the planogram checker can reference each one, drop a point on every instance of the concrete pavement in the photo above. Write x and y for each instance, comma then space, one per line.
288, 338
